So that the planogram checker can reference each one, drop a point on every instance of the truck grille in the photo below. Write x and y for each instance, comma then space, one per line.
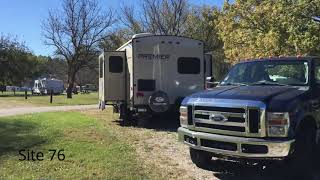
241, 121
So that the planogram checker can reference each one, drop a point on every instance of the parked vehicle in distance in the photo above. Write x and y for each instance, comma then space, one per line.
11, 88
24, 88
151, 74
44, 86
263, 110
89, 87
76, 89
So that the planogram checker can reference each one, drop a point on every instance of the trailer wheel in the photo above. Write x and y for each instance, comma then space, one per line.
200, 158
125, 114
127, 119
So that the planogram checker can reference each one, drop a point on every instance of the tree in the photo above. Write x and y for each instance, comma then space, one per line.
17, 63
87, 76
115, 39
54, 68
164, 17
201, 25
76, 31
255, 28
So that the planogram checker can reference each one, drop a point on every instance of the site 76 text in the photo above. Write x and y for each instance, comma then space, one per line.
31, 155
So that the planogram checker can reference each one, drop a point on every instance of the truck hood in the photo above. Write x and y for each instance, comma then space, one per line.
256, 93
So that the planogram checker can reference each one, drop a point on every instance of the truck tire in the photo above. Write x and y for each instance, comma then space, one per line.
200, 158
300, 163
159, 102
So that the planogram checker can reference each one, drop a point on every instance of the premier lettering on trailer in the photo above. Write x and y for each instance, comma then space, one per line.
154, 56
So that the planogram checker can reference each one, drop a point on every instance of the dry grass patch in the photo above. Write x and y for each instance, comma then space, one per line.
162, 155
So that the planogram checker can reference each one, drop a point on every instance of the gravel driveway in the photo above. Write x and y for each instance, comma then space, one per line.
157, 146
29, 110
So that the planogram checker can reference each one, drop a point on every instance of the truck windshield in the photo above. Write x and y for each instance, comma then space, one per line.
281, 73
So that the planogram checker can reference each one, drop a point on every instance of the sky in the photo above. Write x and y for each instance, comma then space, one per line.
22, 19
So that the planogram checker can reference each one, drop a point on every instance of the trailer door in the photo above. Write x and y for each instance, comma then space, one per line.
115, 76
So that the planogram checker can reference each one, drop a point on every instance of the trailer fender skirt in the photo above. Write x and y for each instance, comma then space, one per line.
159, 102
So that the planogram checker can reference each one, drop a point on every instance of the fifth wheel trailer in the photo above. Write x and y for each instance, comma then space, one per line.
151, 74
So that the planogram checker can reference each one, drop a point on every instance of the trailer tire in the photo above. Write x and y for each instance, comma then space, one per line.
200, 158
125, 115
159, 102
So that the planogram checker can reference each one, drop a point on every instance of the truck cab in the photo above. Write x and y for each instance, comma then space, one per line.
264, 109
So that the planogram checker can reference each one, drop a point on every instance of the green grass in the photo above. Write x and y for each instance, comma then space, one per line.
58, 100
91, 150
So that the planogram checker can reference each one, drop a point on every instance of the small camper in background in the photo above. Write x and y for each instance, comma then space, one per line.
151, 74
44, 86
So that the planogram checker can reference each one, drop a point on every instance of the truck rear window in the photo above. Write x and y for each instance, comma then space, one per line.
146, 85
188, 65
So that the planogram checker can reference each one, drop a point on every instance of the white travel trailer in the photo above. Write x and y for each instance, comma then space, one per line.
44, 86
152, 74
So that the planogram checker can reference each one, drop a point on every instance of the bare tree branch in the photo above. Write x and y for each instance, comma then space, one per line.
76, 31
165, 17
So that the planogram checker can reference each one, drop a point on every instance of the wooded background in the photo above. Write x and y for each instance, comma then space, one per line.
241, 29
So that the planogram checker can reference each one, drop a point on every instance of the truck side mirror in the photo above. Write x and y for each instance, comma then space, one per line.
210, 82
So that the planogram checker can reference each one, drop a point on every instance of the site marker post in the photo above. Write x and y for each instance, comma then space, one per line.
51, 93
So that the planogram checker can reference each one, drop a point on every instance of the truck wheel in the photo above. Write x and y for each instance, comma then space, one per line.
200, 158
302, 160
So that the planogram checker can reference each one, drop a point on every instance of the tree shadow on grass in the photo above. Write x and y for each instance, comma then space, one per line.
18, 134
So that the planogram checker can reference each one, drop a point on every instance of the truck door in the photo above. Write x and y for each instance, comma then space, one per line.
114, 85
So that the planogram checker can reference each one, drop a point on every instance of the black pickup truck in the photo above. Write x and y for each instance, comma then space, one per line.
264, 109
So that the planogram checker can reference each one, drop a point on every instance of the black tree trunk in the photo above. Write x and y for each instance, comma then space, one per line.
71, 84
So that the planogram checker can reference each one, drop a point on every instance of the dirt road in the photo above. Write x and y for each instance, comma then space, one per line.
28, 110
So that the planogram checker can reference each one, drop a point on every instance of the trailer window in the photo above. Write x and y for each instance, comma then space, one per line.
146, 85
115, 64
188, 65
101, 67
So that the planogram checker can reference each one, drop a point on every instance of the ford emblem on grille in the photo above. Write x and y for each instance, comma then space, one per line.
218, 118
